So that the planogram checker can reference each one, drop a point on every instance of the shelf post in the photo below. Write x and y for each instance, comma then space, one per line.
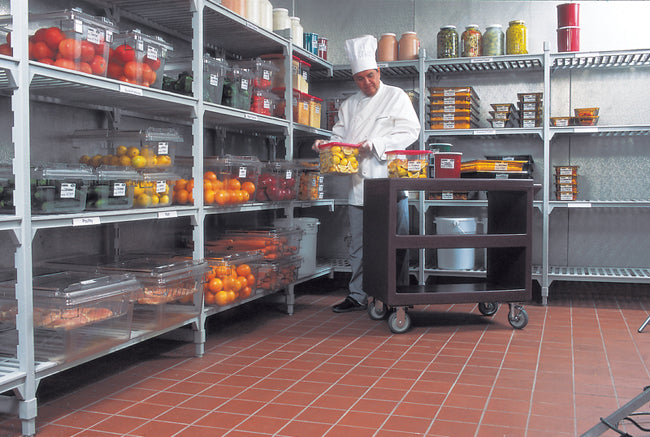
546, 211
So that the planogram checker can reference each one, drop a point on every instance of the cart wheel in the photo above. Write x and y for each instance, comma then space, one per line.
394, 324
519, 318
377, 312
488, 308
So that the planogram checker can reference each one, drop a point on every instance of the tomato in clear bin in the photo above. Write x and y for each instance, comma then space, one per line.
87, 51
124, 53
5, 49
147, 75
127, 80
53, 37
153, 63
84, 67
98, 65
39, 35
133, 70
70, 49
65, 63
47, 61
114, 71
40, 50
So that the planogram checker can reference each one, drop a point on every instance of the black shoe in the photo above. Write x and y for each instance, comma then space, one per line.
348, 305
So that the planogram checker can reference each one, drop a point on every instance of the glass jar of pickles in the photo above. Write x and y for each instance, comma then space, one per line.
516, 38
448, 42
493, 41
470, 42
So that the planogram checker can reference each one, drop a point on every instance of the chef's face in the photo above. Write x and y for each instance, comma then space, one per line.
368, 81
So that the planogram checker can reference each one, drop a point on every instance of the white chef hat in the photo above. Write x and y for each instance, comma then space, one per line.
361, 53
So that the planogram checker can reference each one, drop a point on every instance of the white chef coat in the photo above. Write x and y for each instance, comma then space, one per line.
386, 120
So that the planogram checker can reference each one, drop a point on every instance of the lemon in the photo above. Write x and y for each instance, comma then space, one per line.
143, 200
121, 150
155, 200
164, 160
138, 161
164, 199
96, 160
132, 152
85, 159
125, 160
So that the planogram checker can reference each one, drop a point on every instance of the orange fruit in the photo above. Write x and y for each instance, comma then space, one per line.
217, 185
234, 184
190, 185
228, 283
243, 270
210, 175
249, 187
245, 196
180, 184
181, 196
210, 275
222, 271
250, 279
221, 298
208, 197
132, 152
207, 184
210, 298
237, 284
215, 285
220, 197
231, 296
245, 292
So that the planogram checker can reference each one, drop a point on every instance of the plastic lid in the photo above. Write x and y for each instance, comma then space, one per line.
332, 144
388, 34
493, 25
408, 152
472, 26
75, 288
410, 32
118, 174
281, 10
64, 171
449, 26
517, 22
447, 153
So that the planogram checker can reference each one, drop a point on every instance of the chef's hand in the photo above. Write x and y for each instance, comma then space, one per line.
317, 143
365, 147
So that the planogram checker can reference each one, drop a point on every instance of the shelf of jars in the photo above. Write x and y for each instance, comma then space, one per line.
220, 116
594, 274
606, 59
62, 86
485, 64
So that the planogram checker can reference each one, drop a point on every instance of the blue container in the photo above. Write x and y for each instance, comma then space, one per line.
311, 42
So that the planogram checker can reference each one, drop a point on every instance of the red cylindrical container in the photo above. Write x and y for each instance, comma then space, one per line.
322, 47
568, 14
568, 39
447, 164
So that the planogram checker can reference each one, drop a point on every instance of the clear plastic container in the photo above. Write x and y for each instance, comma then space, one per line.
71, 39
60, 188
232, 277
273, 243
276, 275
530, 97
339, 158
453, 92
408, 163
586, 112
562, 121
278, 181
113, 189
263, 72
214, 75
154, 190
301, 108
236, 179
311, 185
263, 102
237, 88
142, 56
7, 187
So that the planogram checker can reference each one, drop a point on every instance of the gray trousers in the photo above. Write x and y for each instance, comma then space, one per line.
355, 215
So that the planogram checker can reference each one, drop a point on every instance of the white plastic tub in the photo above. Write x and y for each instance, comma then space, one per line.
309, 228
461, 258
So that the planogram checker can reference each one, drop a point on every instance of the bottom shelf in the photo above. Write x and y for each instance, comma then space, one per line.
594, 274
455, 293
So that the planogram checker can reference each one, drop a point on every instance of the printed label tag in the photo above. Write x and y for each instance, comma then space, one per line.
119, 189
68, 190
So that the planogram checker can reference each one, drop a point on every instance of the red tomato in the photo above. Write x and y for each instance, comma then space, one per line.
5, 49
84, 67
65, 63
47, 61
40, 50
125, 53
134, 70
53, 37
127, 80
154, 64
70, 49
150, 77
114, 71
87, 51
39, 35
98, 65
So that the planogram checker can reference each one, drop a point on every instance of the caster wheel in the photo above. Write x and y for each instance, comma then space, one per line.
518, 320
488, 308
378, 312
395, 326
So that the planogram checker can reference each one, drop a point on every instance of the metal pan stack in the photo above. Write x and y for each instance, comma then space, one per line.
453, 108
566, 182
503, 115
530, 107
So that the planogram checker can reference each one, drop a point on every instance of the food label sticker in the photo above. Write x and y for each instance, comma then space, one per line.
530, 98
321, 195
449, 100
449, 92
530, 106
501, 176
214, 79
382, 65
562, 123
566, 188
266, 75
305, 75
78, 26
242, 172
87, 282
500, 166
86, 221
566, 171
448, 125
140, 45
68, 190
287, 175
479, 60
413, 166
565, 180
94, 35
529, 123
317, 109
267, 103
152, 53
130, 90
119, 189
305, 106
244, 84
448, 117
109, 36
447, 163
449, 108
163, 148
447, 195
167, 214
566, 196
161, 186
497, 123
251, 117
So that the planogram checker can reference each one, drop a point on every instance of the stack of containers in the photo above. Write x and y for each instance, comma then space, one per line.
568, 27
138, 58
262, 72
311, 186
453, 107
237, 88
503, 115
530, 109
566, 182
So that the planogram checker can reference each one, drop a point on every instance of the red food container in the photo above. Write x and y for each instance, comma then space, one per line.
568, 39
446, 164
568, 14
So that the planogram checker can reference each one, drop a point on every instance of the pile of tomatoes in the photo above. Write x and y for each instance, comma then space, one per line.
226, 283
50, 45
276, 187
229, 191
128, 65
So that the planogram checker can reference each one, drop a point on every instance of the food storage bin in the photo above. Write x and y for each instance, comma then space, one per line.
408, 163
311, 186
586, 112
460, 91
562, 121
232, 277
298, 81
77, 313
454, 117
492, 165
301, 108
528, 160
263, 102
154, 190
454, 100
7, 186
452, 125
566, 179
273, 243
263, 72
530, 122
503, 107
236, 178
113, 189
308, 243
279, 274
315, 105
566, 188
446, 164
60, 188
587, 121
278, 181
300, 75
499, 124
141, 56
448, 195
530, 115
536, 106
530, 97
566, 170
214, 75
237, 88
566, 196
339, 158
71, 39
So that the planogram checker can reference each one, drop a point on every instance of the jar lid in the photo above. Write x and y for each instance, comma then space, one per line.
410, 32
281, 10
493, 25
294, 18
472, 26
388, 34
450, 26
517, 22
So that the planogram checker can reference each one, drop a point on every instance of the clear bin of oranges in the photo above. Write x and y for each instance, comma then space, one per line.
339, 158
154, 190
232, 277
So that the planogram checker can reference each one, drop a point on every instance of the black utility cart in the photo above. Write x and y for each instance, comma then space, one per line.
507, 242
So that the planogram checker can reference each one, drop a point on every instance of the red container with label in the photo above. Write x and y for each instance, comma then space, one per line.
568, 39
446, 164
568, 14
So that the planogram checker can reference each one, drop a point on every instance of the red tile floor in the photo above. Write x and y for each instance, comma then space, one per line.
316, 373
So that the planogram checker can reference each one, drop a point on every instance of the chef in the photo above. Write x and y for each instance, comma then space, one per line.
378, 118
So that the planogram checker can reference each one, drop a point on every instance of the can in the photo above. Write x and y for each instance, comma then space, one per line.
310, 42
322, 47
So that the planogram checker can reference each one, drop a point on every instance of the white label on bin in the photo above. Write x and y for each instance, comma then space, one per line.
449, 108
566, 196
447, 163
449, 100
244, 84
500, 166
267, 103
447, 195
214, 79
266, 74
449, 92
305, 106
566, 188
287, 175
109, 36
161, 186
413, 166
448, 125
305, 75
448, 117
566, 171
94, 35
119, 189
530, 106
565, 180
152, 53
242, 172
139, 46
163, 148
86, 221
529, 123
321, 195
130, 90
78, 26
68, 190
